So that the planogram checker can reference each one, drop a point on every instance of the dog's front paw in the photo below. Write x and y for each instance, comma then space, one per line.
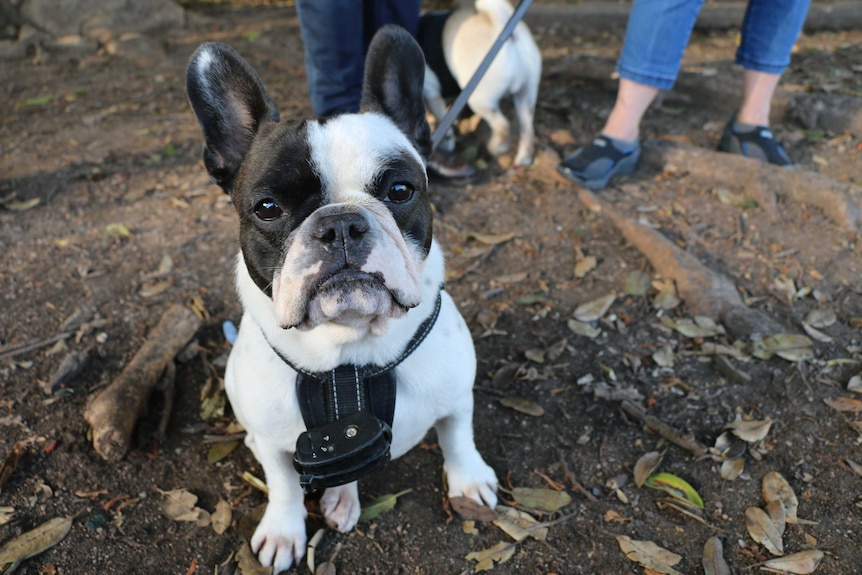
340, 506
478, 482
279, 539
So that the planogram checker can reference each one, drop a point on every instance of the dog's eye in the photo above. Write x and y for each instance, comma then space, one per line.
399, 193
267, 210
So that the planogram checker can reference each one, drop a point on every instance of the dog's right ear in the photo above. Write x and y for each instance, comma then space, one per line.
230, 103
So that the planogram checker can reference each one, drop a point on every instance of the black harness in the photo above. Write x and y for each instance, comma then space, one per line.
348, 413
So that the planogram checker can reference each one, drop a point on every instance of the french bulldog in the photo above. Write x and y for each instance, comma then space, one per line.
337, 266
467, 36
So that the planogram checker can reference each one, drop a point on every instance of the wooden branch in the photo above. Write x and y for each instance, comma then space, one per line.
670, 433
113, 412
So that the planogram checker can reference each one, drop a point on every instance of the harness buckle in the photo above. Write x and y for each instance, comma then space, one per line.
342, 451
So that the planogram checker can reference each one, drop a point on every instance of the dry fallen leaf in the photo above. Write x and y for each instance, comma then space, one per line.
595, 309
789, 346
666, 298
585, 265
713, 558
855, 467
485, 559
699, 327
816, 334
491, 239
638, 283
526, 406
844, 404
750, 431
775, 488
763, 530
220, 450
776, 512
6, 514
540, 499
519, 525
855, 384
731, 469
468, 509
802, 563
179, 505
646, 465
35, 541
649, 555
821, 317
221, 517
664, 357
583, 329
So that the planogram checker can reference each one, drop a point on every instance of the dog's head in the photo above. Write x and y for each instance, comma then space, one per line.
335, 219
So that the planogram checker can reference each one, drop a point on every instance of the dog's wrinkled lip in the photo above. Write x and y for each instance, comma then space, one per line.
348, 276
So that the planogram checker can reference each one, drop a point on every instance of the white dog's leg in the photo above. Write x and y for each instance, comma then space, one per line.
498, 144
280, 538
525, 106
340, 506
466, 472
432, 93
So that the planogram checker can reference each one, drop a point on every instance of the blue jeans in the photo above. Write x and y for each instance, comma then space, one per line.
336, 34
658, 32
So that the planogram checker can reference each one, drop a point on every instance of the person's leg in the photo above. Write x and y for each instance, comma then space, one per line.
769, 30
334, 38
656, 37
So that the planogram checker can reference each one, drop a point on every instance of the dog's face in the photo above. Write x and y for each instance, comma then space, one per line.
335, 219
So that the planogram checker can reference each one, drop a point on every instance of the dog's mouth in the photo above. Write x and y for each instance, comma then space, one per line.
350, 278
353, 298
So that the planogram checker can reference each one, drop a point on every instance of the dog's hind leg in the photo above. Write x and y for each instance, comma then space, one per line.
432, 94
525, 106
498, 144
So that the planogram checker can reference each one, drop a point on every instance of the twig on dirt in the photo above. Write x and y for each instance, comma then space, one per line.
664, 430
208, 439
570, 477
167, 388
113, 412
12, 349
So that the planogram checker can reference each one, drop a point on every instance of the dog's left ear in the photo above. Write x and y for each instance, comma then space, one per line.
394, 74
230, 103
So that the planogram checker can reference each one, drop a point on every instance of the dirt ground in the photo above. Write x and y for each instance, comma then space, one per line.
127, 223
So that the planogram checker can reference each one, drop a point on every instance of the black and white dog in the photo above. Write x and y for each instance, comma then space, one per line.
340, 279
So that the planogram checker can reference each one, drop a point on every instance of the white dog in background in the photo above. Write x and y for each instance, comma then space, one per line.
468, 34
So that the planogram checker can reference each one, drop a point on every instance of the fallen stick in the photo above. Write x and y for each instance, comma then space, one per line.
666, 431
13, 349
113, 412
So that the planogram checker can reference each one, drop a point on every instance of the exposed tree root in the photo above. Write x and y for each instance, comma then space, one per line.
839, 201
113, 412
704, 291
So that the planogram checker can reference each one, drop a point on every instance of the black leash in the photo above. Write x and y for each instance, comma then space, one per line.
461, 100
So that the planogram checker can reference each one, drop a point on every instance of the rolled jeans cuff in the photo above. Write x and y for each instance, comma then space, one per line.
656, 81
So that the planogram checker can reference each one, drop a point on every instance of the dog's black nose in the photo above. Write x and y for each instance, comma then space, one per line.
341, 230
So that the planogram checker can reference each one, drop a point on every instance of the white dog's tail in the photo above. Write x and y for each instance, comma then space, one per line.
499, 11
